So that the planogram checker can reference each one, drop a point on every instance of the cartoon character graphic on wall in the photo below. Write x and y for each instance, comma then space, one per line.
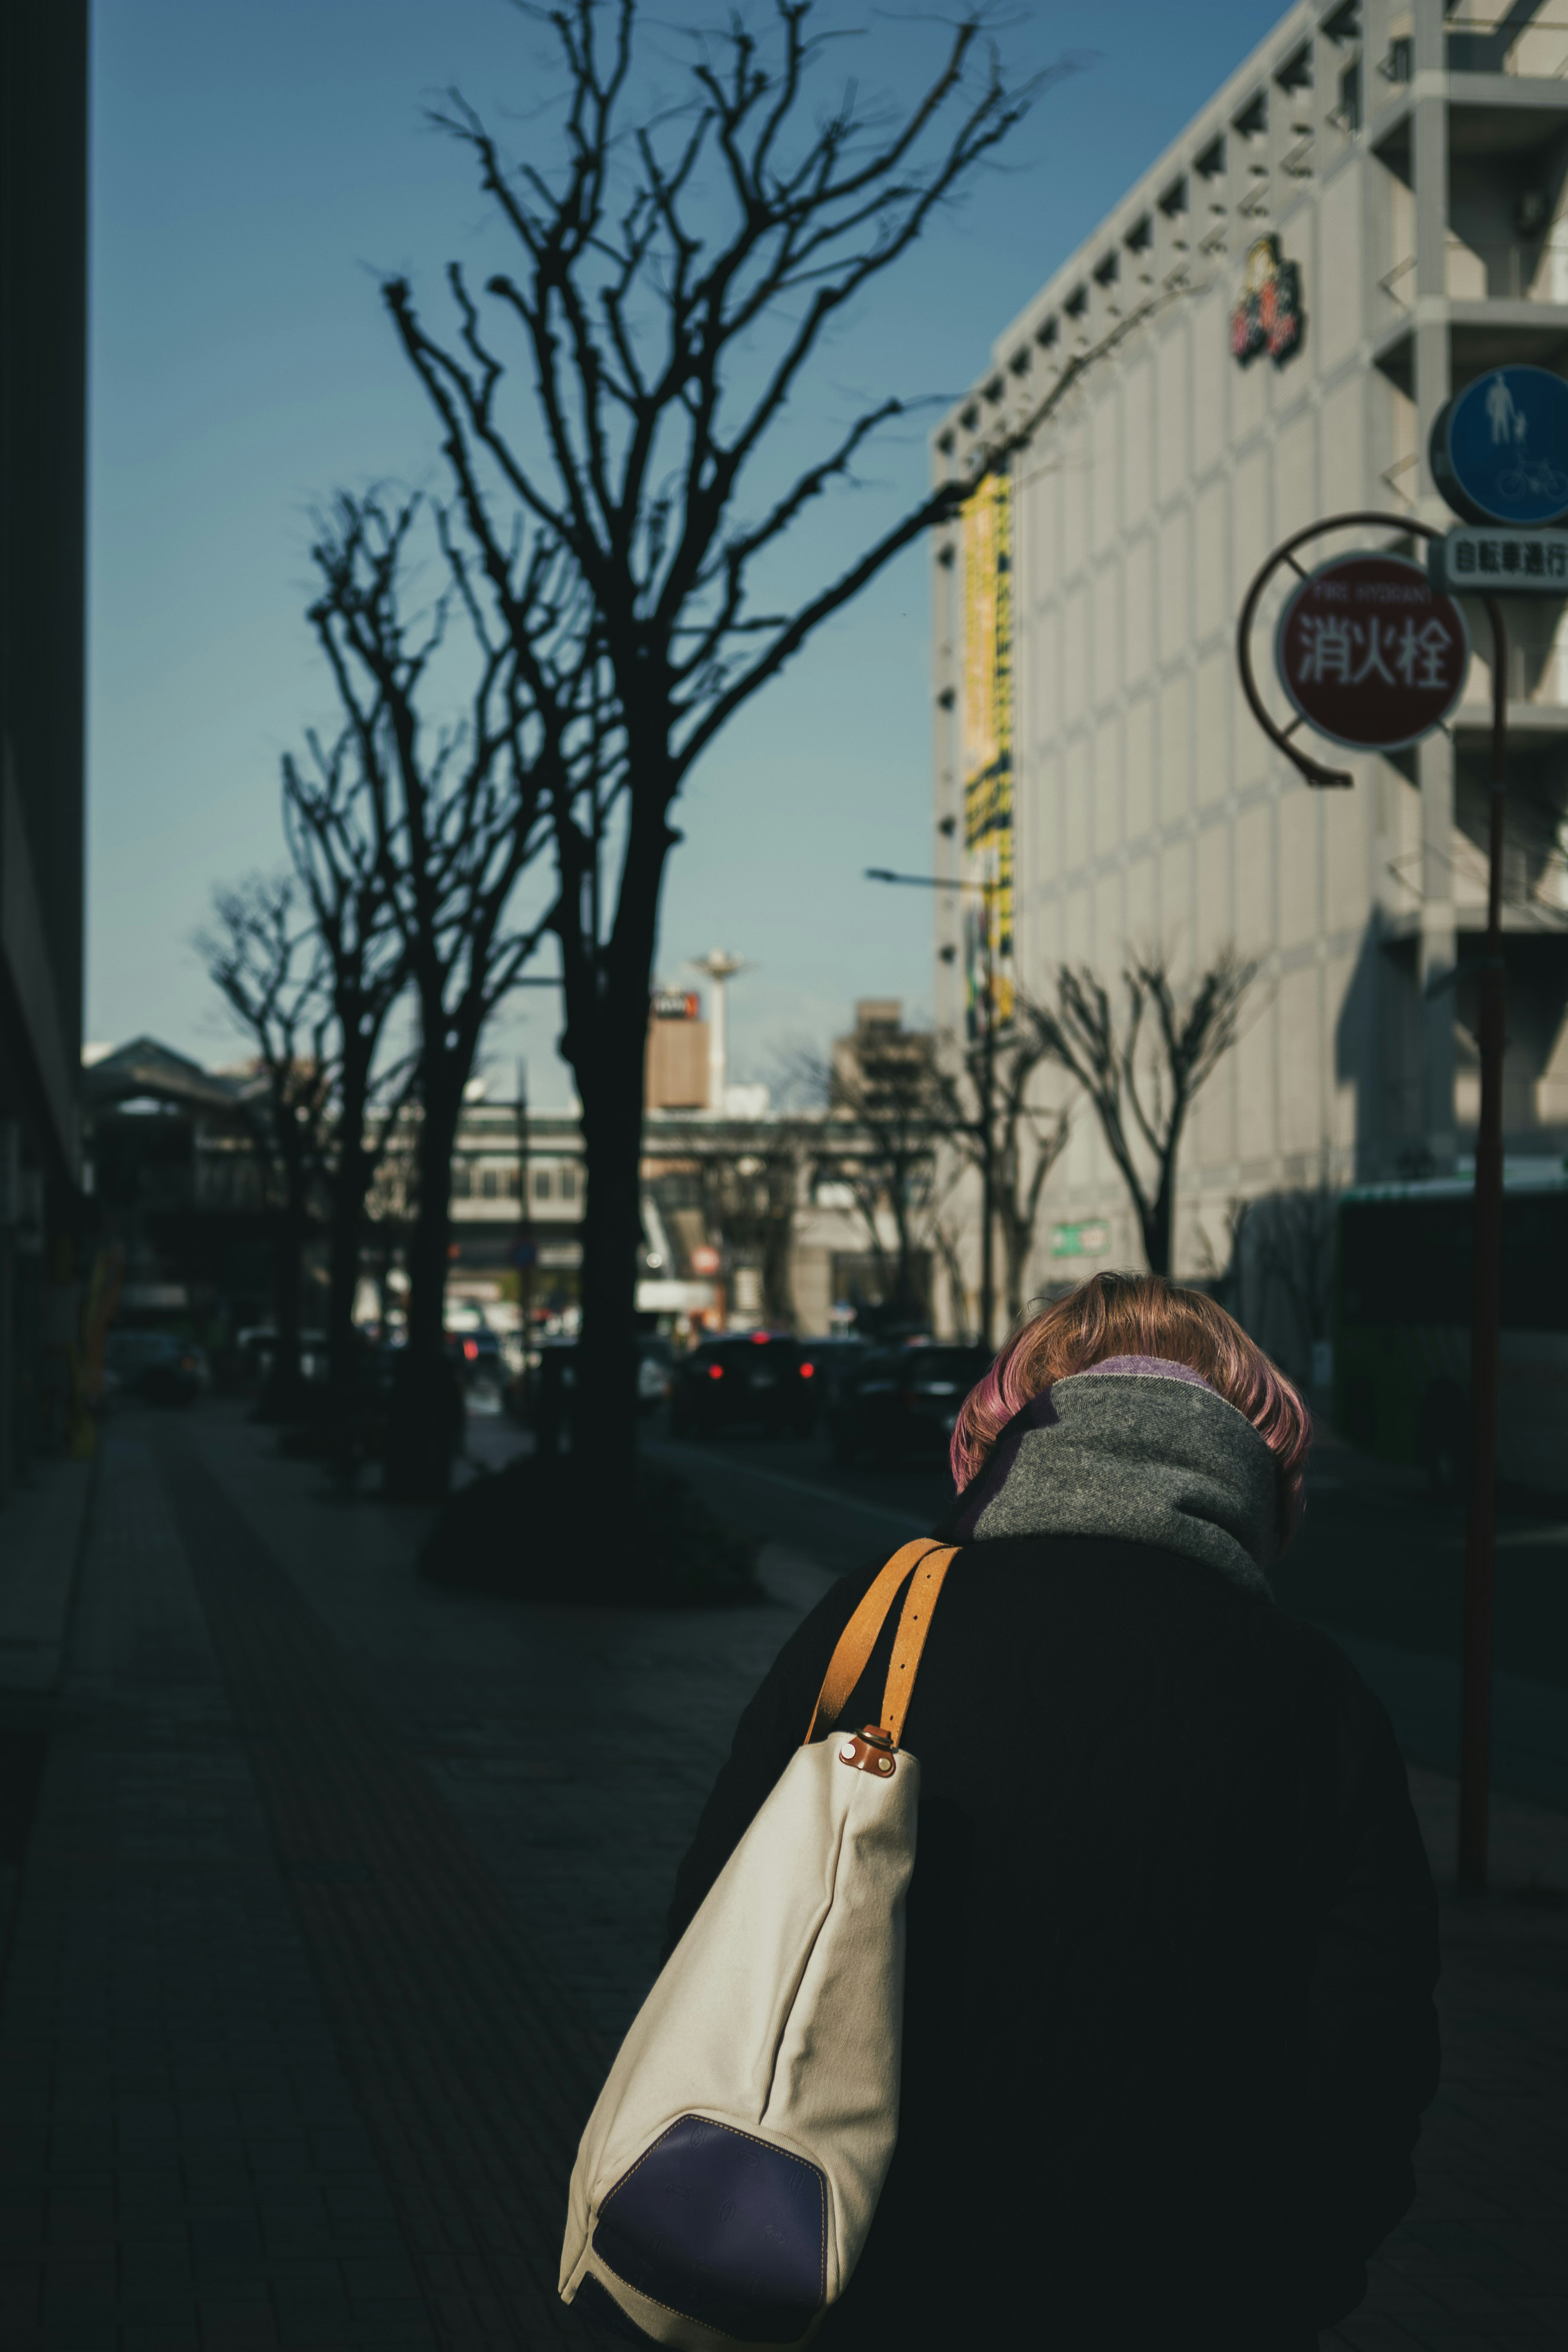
1269, 316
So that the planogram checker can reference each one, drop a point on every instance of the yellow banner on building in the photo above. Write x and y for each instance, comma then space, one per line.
987, 518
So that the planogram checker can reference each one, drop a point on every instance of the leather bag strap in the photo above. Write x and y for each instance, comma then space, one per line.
914, 1624
858, 1639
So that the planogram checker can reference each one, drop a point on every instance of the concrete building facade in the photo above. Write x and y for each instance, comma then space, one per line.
46, 1248
1397, 171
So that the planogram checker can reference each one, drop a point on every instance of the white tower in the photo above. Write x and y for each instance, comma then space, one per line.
720, 966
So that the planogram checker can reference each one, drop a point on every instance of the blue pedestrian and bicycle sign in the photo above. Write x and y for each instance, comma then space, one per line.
1499, 449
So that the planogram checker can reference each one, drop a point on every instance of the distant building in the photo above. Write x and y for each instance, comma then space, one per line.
44, 1252
1370, 214
745, 1219
881, 1065
179, 1188
676, 1072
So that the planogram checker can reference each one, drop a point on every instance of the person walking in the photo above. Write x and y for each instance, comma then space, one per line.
1171, 1933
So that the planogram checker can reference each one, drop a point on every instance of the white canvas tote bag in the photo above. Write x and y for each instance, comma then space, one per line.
728, 2173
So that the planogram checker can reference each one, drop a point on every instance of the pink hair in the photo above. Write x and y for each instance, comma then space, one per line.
1140, 1314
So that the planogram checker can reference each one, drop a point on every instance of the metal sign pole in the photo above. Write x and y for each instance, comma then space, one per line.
1475, 1742
1486, 1318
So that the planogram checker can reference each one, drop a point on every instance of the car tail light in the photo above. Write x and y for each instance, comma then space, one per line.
759, 1338
471, 1350
715, 1371
808, 1371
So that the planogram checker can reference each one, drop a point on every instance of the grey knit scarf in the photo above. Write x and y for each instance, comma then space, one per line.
1135, 1447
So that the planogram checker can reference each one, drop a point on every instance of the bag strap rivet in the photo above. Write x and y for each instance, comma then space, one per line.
869, 1750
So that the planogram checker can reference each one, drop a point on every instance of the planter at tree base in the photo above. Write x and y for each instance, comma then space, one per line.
532, 1531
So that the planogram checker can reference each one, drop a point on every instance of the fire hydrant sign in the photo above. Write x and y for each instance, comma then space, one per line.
1370, 654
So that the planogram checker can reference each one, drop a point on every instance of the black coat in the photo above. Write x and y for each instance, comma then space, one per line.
1171, 1946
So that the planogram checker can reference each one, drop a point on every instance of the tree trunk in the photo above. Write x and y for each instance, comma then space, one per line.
778, 1295
282, 1394
1156, 1221
425, 1427
908, 1306
605, 1401
349, 1184
1016, 1239
342, 1286
606, 1042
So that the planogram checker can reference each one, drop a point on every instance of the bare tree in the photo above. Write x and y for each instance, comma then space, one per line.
749, 1198
879, 1141
459, 808
1026, 1140
680, 264
1143, 1072
265, 957
328, 815
945, 1242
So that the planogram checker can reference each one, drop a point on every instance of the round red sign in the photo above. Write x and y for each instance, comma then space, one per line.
1369, 655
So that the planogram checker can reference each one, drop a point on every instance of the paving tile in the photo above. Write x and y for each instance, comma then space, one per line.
159, 2012
239, 2116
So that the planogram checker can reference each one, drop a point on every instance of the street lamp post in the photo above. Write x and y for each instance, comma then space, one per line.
987, 1079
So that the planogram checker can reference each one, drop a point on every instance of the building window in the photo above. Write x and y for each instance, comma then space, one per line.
1210, 165
1173, 203
569, 1183
462, 1181
1348, 112
542, 1183
514, 1183
1253, 120
489, 1184
1296, 73
1399, 65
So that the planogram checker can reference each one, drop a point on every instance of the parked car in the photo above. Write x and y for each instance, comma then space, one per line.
656, 1370
759, 1381
898, 1402
475, 1351
838, 1358
154, 1366
253, 1349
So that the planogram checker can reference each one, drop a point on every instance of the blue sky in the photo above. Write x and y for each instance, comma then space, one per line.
256, 171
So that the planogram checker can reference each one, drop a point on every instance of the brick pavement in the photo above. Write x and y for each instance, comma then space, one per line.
182, 2166
474, 2067
278, 2064
338, 1880
1480, 2265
